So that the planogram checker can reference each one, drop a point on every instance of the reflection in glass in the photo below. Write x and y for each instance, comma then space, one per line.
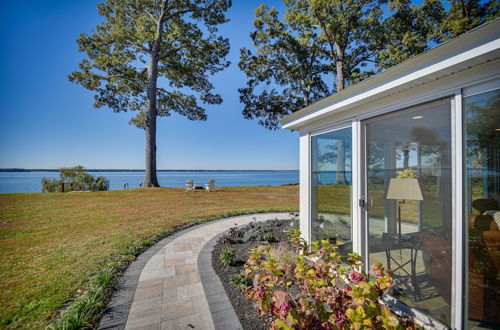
482, 207
414, 145
331, 188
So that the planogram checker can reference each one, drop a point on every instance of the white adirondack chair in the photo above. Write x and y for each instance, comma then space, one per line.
189, 185
210, 186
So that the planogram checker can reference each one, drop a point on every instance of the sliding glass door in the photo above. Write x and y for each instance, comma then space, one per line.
482, 207
408, 189
331, 188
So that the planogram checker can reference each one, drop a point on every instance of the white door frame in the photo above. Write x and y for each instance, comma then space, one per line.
306, 230
457, 216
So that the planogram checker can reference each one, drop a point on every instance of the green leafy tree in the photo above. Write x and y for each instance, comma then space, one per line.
284, 73
464, 15
352, 32
316, 37
409, 30
140, 42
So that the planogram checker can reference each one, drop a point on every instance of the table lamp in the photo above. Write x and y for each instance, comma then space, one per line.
403, 189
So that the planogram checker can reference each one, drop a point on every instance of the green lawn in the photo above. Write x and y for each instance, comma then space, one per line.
336, 199
50, 244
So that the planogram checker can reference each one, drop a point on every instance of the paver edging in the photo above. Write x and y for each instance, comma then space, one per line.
214, 290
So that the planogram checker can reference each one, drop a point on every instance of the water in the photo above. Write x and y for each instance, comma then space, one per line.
11, 182
330, 177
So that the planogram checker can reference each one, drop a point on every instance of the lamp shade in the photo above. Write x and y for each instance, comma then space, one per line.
404, 188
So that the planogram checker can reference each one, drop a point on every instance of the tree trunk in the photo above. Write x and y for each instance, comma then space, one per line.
340, 174
150, 178
306, 91
406, 157
339, 63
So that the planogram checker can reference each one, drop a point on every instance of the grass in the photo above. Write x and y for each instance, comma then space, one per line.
336, 199
60, 246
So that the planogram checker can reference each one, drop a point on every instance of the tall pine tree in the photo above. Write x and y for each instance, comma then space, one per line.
141, 42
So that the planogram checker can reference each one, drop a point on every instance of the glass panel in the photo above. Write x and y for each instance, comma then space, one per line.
409, 199
482, 207
331, 188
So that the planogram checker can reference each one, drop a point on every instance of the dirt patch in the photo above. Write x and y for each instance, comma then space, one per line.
248, 315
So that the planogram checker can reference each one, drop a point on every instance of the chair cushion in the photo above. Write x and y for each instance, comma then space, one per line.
484, 204
483, 222
496, 216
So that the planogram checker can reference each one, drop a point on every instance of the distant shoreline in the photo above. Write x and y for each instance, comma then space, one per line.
132, 170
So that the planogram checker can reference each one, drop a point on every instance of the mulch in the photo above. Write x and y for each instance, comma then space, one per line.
248, 315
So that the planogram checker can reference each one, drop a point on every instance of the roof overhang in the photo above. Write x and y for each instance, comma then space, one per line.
466, 51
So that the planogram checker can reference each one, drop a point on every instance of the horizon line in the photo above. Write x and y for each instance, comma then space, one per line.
21, 169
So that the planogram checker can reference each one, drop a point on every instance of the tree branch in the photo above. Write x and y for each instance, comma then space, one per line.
137, 47
190, 10
151, 16
108, 78
171, 51
366, 58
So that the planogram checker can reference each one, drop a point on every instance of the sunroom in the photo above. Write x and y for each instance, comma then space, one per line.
404, 168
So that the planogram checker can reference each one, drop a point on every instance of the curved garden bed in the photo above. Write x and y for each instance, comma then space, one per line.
275, 280
243, 240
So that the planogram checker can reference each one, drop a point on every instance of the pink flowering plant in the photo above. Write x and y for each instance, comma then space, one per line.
321, 290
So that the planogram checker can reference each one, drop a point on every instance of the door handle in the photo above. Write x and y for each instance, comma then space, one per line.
362, 202
366, 203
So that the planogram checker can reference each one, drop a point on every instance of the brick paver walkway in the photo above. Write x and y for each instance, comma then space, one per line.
170, 293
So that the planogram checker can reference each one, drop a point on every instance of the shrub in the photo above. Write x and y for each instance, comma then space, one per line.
257, 231
269, 237
321, 290
272, 223
283, 255
100, 184
227, 254
240, 281
75, 175
49, 185
252, 235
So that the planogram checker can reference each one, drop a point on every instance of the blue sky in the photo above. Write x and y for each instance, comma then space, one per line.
48, 122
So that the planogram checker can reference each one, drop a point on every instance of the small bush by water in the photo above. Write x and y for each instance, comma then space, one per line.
74, 178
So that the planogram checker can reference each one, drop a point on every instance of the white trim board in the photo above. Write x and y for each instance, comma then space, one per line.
441, 88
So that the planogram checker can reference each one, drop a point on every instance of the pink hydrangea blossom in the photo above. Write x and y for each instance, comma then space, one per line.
357, 277
281, 306
260, 291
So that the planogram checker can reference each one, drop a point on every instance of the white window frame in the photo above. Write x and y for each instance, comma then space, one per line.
457, 214
328, 129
